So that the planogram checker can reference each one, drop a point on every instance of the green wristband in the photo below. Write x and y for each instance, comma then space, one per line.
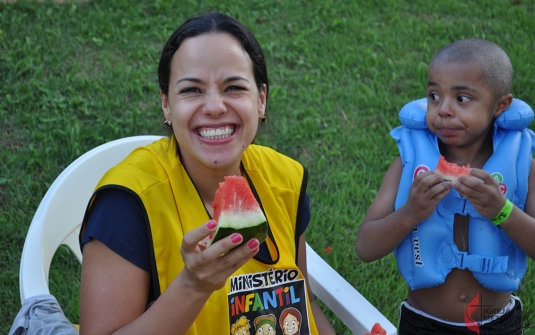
504, 213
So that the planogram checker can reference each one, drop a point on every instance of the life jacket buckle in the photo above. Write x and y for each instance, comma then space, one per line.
476, 263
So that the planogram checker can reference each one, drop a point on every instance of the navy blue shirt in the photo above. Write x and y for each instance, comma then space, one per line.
117, 220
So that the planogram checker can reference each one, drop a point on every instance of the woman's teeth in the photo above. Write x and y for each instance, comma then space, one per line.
216, 133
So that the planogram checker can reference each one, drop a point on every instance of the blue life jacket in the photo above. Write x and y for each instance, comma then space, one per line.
428, 253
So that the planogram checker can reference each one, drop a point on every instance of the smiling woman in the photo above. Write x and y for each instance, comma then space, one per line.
146, 267
213, 92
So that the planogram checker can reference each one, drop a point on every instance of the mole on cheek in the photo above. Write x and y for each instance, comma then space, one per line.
215, 162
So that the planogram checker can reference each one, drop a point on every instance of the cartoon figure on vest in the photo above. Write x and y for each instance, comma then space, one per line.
290, 321
265, 325
461, 245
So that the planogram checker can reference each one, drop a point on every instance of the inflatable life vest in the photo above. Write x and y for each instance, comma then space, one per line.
428, 253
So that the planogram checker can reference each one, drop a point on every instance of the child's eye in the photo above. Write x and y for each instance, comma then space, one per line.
463, 99
433, 96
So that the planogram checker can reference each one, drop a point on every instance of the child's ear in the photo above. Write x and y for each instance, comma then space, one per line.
502, 104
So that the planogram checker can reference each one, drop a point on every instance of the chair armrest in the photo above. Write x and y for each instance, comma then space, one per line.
355, 311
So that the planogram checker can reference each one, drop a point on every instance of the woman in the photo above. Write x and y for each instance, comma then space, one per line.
146, 268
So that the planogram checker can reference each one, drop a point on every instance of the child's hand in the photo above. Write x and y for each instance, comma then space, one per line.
426, 191
482, 191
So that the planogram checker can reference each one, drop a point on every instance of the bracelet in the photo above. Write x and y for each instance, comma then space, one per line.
503, 214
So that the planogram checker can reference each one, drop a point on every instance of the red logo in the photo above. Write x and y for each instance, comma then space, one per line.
472, 306
419, 169
499, 179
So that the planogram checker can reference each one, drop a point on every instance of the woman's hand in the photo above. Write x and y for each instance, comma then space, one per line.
208, 268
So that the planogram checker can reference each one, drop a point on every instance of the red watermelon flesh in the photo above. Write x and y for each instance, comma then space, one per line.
451, 171
377, 330
237, 211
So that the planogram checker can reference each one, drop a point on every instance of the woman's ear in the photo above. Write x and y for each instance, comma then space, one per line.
262, 101
165, 106
502, 104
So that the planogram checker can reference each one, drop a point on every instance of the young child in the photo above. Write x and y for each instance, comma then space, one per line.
460, 245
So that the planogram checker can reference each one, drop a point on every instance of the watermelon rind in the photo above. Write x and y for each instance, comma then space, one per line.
449, 178
250, 224
451, 171
237, 211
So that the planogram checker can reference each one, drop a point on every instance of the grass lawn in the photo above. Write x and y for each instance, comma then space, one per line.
76, 75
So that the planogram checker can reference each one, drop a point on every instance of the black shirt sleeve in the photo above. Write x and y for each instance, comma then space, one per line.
116, 220
302, 225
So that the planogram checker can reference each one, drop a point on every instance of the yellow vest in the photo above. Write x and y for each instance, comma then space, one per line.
259, 294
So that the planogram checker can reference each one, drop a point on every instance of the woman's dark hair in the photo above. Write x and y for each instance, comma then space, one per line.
213, 23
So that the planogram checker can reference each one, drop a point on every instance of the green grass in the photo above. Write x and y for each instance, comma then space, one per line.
74, 76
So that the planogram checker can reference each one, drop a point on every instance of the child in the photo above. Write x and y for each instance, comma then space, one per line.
460, 245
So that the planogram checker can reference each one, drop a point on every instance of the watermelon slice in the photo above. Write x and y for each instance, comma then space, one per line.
377, 330
451, 171
237, 211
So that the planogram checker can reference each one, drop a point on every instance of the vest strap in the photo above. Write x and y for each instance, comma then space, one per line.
453, 203
451, 257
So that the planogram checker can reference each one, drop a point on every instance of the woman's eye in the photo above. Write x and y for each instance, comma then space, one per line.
235, 88
190, 90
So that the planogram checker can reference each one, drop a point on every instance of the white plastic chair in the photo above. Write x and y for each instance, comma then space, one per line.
59, 216
351, 307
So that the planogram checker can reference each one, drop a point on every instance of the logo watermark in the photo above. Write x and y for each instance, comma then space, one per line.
470, 309
489, 314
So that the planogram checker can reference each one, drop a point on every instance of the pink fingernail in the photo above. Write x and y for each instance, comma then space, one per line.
235, 238
253, 244
211, 224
